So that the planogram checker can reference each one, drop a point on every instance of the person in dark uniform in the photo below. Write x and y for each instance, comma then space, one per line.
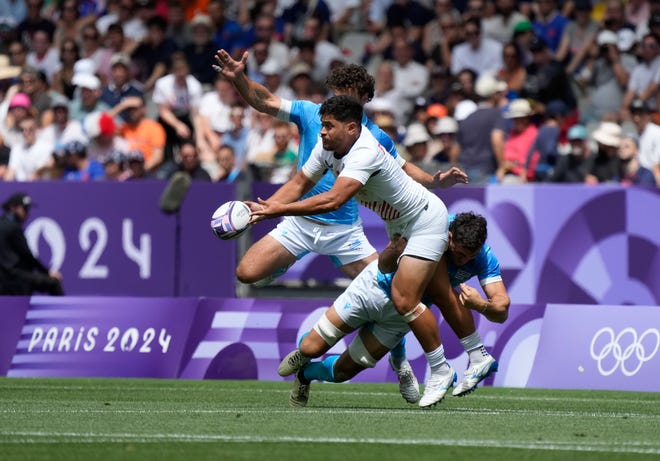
20, 272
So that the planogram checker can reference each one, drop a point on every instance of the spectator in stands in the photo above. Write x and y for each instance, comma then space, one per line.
152, 56
142, 133
441, 36
631, 172
135, 167
385, 89
21, 273
299, 80
177, 96
187, 162
34, 83
92, 48
416, 142
43, 55
481, 156
518, 145
273, 79
549, 24
14, 108
17, 54
500, 25
644, 79
260, 144
237, 136
605, 78
513, 71
439, 85
87, 98
116, 41
264, 32
571, 166
297, 12
62, 81
114, 166
120, 85
323, 51
543, 155
228, 33
126, 17
649, 137
285, 154
578, 37
603, 165
410, 77
34, 21
479, 53
637, 13
178, 28
28, 156
228, 170
68, 22
201, 49
101, 130
80, 167
546, 79
445, 131
63, 130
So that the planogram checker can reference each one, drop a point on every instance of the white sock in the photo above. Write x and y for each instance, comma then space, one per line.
474, 347
437, 360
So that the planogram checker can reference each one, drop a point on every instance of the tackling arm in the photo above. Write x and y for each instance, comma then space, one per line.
495, 308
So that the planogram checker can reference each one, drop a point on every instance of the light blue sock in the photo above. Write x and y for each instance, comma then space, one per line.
301, 338
321, 371
398, 354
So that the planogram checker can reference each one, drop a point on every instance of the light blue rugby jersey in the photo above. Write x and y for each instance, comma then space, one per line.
305, 114
484, 266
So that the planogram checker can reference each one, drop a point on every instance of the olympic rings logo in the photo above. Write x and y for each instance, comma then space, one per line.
626, 349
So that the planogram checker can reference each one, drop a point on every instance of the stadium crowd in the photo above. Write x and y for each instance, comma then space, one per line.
510, 91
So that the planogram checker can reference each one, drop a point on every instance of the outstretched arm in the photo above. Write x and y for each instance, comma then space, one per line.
341, 192
439, 180
254, 94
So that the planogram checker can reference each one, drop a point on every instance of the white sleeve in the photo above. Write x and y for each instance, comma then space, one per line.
284, 112
359, 165
314, 168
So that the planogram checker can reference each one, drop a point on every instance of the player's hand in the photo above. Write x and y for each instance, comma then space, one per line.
228, 66
253, 206
448, 178
469, 297
264, 209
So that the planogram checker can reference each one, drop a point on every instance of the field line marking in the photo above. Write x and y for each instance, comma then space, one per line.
87, 437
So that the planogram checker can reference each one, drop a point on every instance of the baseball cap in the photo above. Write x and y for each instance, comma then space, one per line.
120, 58
271, 67
20, 100
446, 125
59, 100
487, 85
522, 26
577, 132
606, 37
88, 81
201, 19
19, 198
638, 105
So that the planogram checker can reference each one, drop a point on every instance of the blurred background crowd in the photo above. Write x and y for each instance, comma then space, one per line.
511, 91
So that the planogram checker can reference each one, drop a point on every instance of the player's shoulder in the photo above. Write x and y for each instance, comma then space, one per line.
303, 107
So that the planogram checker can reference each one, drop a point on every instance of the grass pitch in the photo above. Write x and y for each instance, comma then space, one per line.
115, 419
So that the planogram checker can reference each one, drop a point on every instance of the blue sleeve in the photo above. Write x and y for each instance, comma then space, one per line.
488, 267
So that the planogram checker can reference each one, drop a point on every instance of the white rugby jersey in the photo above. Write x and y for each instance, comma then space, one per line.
387, 189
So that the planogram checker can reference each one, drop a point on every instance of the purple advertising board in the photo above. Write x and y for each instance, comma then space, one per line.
553, 346
103, 337
565, 244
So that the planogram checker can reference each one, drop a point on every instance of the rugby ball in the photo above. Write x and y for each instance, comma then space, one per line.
230, 220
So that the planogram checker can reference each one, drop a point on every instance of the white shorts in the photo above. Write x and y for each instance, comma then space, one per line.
427, 234
343, 243
365, 303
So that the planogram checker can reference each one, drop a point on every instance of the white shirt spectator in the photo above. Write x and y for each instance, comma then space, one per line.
72, 132
411, 79
486, 58
25, 160
217, 112
649, 146
50, 63
179, 99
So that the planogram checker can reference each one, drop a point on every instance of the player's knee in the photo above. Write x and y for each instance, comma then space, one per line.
312, 346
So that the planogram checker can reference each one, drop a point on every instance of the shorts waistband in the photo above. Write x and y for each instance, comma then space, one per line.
317, 222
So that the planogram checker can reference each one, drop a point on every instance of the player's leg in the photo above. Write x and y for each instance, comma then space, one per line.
325, 333
364, 352
263, 259
461, 321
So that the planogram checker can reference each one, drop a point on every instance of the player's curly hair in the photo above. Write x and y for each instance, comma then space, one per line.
469, 230
343, 108
352, 76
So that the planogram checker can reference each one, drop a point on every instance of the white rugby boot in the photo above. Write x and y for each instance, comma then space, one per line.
293, 362
474, 375
437, 386
408, 385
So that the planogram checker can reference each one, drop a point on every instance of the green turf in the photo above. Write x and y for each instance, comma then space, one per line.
101, 419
